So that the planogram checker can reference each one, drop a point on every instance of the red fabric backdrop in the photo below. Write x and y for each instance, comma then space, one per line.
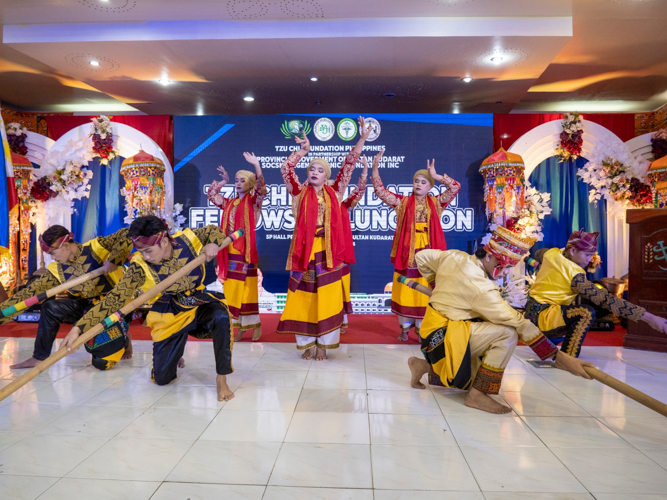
160, 128
508, 128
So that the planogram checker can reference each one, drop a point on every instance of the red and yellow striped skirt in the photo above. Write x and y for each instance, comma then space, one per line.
241, 291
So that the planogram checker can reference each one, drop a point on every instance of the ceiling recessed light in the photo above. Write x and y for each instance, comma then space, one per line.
164, 81
389, 95
497, 59
94, 63
313, 78
467, 79
248, 98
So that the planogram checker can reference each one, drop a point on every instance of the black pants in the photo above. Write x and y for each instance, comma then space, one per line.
213, 318
578, 320
56, 312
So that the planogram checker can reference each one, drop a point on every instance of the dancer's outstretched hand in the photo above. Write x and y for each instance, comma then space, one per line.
573, 365
223, 174
303, 142
364, 162
251, 158
363, 131
211, 250
70, 338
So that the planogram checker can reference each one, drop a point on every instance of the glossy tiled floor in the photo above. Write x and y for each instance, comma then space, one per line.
347, 428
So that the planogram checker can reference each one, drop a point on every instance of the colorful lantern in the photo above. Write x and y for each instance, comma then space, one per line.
657, 178
504, 182
144, 185
19, 221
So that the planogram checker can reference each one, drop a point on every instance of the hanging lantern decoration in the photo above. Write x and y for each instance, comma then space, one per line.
19, 227
657, 178
504, 182
144, 185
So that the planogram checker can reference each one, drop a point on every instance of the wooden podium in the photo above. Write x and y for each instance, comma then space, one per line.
648, 275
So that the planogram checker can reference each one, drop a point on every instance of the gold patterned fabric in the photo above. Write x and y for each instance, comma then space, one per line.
40, 285
181, 295
603, 298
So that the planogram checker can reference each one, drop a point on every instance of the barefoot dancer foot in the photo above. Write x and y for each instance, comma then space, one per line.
321, 354
224, 392
308, 353
477, 399
239, 335
128, 348
28, 363
181, 363
403, 337
256, 333
418, 367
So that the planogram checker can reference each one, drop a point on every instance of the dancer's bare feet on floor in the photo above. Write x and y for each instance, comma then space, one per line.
321, 354
224, 392
256, 333
28, 363
239, 335
418, 368
128, 348
403, 337
308, 353
477, 399
181, 363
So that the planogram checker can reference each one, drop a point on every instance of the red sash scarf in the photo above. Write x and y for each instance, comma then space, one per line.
243, 219
306, 225
403, 249
348, 257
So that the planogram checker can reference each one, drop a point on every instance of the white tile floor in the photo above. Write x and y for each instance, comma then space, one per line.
348, 428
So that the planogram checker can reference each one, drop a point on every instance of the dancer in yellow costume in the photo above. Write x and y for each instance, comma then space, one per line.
184, 309
314, 306
417, 228
469, 332
237, 263
561, 278
71, 260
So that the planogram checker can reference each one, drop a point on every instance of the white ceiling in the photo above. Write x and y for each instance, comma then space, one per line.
590, 55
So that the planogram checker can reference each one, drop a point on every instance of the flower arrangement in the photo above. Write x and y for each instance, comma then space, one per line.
615, 175
16, 136
103, 139
62, 179
571, 138
658, 143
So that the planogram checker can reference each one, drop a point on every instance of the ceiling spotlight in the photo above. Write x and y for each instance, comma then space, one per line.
164, 81
248, 98
94, 63
389, 95
313, 78
497, 59
466, 79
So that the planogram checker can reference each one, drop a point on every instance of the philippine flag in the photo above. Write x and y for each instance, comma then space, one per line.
8, 198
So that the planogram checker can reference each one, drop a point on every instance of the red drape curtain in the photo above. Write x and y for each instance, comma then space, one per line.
160, 128
508, 128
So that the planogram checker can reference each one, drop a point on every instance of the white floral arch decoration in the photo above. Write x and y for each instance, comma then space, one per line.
640, 146
127, 142
540, 143
38, 145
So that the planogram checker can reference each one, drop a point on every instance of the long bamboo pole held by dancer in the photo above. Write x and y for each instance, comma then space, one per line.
111, 319
598, 375
21, 306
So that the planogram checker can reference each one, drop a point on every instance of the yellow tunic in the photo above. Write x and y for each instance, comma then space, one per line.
553, 286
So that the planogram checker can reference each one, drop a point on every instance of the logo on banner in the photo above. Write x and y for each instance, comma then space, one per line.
295, 128
375, 129
347, 129
324, 129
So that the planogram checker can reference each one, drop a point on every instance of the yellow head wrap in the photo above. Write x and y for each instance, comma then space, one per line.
424, 173
248, 176
324, 163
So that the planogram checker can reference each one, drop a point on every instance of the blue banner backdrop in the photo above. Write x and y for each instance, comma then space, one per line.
458, 142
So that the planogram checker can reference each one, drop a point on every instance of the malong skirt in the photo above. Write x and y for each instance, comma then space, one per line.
314, 307
241, 291
347, 300
405, 301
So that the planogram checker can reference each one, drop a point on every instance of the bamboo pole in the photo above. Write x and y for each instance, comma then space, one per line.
598, 375
110, 320
627, 390
16, 308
